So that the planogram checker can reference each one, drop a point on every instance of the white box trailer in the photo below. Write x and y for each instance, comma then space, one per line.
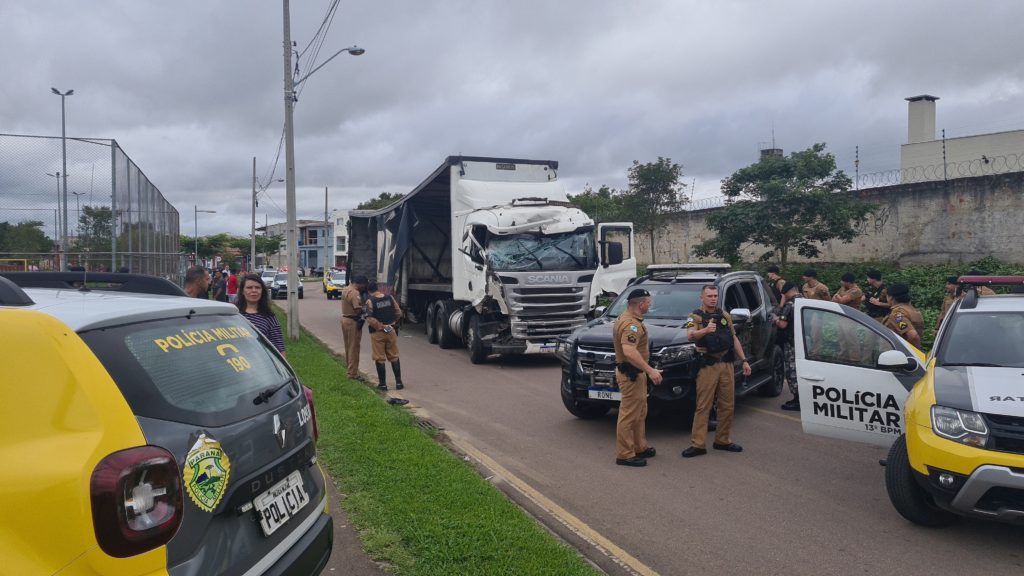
488, 253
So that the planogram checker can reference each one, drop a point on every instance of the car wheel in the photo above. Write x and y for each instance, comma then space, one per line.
583, 410
777, 365
429, 321
478, 351
445, 337
909, 499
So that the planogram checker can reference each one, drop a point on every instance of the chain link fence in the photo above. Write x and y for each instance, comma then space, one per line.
102, 215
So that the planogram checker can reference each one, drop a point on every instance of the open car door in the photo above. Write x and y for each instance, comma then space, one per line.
854, 374
617, 262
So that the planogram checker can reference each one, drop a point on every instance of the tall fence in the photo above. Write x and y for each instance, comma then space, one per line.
104, 214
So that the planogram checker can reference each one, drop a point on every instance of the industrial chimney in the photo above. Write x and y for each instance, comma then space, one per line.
921, 118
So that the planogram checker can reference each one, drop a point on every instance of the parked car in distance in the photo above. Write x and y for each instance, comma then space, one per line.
279, 287
268, 277
334, 283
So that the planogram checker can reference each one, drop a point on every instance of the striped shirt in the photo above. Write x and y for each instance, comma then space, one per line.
268, 326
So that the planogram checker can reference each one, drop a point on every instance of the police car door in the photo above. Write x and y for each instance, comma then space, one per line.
854, 374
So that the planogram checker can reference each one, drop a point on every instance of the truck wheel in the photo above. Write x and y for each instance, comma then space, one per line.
583, 410
777, 367
445, 337
478, 351
431, 327
909, 499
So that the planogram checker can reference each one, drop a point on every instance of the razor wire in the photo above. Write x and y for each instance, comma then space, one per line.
982, 166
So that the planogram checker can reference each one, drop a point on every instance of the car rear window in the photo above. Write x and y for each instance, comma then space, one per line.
205, 370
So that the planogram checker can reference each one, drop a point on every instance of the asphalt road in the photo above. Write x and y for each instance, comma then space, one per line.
789, 504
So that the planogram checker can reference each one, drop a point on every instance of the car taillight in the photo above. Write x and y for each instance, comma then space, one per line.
312, 411
136, 500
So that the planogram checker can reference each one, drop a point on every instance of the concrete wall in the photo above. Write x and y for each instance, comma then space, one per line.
927, 223
963, 156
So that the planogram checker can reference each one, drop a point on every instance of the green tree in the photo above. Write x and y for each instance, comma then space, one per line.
604, 205
94, 227
655, 191
24, 239
383, 200
785, 203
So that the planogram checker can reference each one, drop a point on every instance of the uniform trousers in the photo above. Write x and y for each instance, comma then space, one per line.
631, 429
385, 346
718, 378
351, 336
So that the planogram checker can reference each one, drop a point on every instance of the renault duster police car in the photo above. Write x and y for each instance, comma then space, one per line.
145, 432
953, 419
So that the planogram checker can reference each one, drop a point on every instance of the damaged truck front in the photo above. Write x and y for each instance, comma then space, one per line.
487, 253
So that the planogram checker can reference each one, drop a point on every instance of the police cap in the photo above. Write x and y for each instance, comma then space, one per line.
638, 293
810, 273
773, 268
849, 277
952, 279
899, 290
359, 279
874, 274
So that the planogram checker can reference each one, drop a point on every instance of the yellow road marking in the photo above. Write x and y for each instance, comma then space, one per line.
776, 414
580, 528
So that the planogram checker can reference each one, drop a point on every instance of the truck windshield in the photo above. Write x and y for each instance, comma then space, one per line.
527, 252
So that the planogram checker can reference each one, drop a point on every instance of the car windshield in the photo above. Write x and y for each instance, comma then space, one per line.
528, 252
668, 301
270, 274
983, 339
338, 277
281, 277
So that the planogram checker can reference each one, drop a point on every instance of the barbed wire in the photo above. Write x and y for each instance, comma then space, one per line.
982, 166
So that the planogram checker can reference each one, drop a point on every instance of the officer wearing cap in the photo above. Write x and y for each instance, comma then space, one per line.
784, 322
877, 304
849, 293
812, 288
352, 322
775, 282
631, 372
903, 318
952, 283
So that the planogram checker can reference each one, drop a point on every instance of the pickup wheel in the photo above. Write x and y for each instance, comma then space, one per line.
445, 337
777, 367
429, 321
478, 351
583, 410
909, 499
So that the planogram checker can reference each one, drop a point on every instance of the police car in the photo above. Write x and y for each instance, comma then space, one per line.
334, 282
150, 433
953, 419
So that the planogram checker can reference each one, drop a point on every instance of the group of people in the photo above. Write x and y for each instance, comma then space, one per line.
253, 302
364, 303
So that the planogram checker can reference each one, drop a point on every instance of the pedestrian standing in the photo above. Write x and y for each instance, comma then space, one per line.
632, 351
903, 318
877, 304
220, 288
784, 322
776, 282
232, 286
382, 315
812, 288
197, 282
712, 330
352, 323
254, 304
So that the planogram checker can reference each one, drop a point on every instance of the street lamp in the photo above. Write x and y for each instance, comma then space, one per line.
197, 211
64, 155
289, 158
57, 236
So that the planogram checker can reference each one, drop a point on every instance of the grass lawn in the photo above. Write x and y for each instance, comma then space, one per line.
417, 505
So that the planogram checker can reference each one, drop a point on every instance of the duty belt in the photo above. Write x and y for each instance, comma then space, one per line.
356, 317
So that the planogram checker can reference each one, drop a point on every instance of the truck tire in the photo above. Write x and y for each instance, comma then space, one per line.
446, 339
777, 370
429, 321
909, 499
478, 351
583, 410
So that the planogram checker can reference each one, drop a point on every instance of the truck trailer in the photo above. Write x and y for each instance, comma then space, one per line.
488, 254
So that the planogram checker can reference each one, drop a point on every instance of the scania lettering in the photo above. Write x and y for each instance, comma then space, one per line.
487, 253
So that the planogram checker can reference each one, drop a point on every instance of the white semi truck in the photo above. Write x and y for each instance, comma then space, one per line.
488, 254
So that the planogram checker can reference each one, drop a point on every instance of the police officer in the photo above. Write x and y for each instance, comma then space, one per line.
982, 290
903, 318
952, 283
812, 288
776, 282
784, 322
849, 293
631, 372
877, 304
382, 312
352, 323
711, 328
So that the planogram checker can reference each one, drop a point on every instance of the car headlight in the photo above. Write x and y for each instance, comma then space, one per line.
960, 426
676, 353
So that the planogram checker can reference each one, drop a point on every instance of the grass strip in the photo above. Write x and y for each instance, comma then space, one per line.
416, 504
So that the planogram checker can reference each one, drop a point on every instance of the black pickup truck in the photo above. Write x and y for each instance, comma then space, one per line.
588, 359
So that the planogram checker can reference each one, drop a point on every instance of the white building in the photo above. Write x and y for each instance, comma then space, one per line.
339, 226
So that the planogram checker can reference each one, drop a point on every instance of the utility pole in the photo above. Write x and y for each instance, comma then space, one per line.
252, 231
326, 235
291, 232
64, 156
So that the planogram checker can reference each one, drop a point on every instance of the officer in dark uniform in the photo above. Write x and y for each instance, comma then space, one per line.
876, 301
784, 322
776, 282
903, 318
382, 314
632, 351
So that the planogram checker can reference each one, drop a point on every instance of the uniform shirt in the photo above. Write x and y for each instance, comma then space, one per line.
855, 292
787, 315
776, 287
351, 303
629, 330
819, 292
696, 322
883, 296
373, 321
947, 303
902, 317
985, 291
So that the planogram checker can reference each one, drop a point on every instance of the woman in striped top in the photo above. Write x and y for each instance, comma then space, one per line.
255, 306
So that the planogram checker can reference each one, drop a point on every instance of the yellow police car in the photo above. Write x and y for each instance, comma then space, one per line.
145, 432
953, 419
334, 282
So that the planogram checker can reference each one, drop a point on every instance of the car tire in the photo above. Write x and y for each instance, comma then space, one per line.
583, 410
777, 367
478, 351
446, 339
431, 327
909, 499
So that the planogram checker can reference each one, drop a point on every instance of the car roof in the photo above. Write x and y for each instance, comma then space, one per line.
85, 310
996, 303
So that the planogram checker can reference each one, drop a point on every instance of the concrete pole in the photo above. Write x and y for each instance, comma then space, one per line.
291, 232
252, 231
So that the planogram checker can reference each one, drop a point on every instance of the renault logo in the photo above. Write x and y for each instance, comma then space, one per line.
279, 431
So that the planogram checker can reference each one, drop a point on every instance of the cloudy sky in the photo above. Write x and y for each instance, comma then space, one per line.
192, 89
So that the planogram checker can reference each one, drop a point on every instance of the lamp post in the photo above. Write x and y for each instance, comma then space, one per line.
64, 156
291, 232
255, 204
57, 236
78, 214
197, 211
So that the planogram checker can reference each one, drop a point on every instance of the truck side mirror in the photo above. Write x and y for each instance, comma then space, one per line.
614, 252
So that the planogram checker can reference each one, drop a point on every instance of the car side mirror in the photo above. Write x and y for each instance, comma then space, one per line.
740, 314
895, 360
614, 250
599, 311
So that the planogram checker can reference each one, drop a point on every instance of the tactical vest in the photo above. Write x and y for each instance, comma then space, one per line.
383, 309
873, 310
721, 339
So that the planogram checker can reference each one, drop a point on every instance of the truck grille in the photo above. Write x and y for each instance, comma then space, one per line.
546, 312
1006, 433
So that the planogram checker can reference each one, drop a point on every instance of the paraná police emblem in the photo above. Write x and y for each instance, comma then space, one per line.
206, 474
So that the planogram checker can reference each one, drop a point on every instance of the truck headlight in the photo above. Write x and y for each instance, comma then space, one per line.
677, 353
960, 426
563, 349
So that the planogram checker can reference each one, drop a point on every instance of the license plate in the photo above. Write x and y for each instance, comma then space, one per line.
277, 505
604, 394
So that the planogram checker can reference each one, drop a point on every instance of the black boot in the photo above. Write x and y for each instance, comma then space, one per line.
382, 377
396, 367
